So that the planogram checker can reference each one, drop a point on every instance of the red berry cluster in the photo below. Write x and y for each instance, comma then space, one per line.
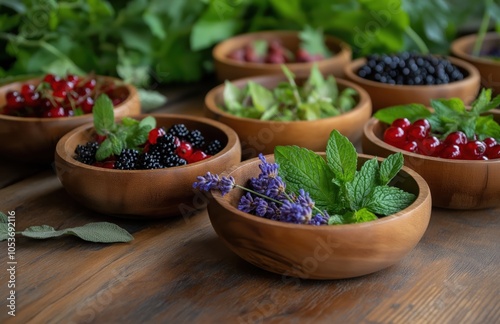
59, 97
276, 54
417, 138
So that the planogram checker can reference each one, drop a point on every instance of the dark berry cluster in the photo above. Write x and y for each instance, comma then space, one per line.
417, 137
163, 149
266, 196
410, 69
60, 97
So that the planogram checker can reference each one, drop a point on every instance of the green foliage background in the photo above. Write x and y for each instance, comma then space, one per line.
165, 41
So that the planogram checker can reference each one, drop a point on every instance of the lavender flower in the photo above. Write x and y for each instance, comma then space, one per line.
213, 181
262, 206
304, 199
247, 203
319, 219
293, 212
268, 169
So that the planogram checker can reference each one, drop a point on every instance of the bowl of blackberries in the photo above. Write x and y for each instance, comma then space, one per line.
404, 78
263, 52
143, 166
36, 113
454, 147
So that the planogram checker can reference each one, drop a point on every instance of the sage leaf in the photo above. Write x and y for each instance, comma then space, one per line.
4, 231
103, 115
3, 218
389, 167
341, 157
386, 200
301, 168
41, 232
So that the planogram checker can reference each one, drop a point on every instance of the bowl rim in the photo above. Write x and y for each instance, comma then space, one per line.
232, 141
457, 47
351, 68
131, 89
211, 103
221, 56
370, 136
423, 195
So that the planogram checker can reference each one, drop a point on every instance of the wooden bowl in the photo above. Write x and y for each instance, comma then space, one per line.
386, 95
229, 69
33, 140
320, 252
261, 136
488, 68
454, 184
143, 193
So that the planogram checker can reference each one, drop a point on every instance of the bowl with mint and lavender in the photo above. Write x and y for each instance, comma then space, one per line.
285, 109
331, 215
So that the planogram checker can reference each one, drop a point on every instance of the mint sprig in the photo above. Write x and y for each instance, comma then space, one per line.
337, 186
451, 115
100, 232
130, 133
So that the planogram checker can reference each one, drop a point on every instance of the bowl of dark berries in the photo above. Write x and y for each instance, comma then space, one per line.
261, 53
455, 148
487, 60
404, 78
287, 212
143, 166
272, 110
36, 113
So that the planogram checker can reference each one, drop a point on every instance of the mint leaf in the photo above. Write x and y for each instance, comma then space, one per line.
411, 111
232, 96
451, 108
102, 232
479, 105
359, 216
104, 117
262, 98
301, 168
335, 220
486, 126
105, 150
341, 157
387, 200
117, 143
389, 167
361, 187
127, 121
147, 122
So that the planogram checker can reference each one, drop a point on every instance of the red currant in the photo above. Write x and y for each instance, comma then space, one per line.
493, 152
154, 134
423, 122
54, 112
197, 155
451, 152
27, 89
14, 99
401, 122
410, 146
430, 146
416, 133
395, 136
87, 105
490, 141
32, 99
474, 150
456, 138
184, 150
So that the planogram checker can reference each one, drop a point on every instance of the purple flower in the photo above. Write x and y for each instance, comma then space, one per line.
246, 203
262, 206
268, 169
304, 199
275, 188
213, 181
319, 219
293, 212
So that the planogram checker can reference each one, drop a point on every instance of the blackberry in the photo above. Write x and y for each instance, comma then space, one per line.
149, 160
165, 145
127, 160
213, 147
179, 130
174, 160
196, 139
409, 69
86, 153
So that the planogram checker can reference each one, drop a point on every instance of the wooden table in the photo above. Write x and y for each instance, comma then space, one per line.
177, 270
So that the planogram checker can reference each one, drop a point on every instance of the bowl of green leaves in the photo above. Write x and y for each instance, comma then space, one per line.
272, 110
312, 215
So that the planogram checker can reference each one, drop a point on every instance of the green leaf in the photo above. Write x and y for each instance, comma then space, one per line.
127, 121
341, 157
361, 187
448, 107
232, 96
389, 167
301, 168
148, 122
411, 111
207, 32
150, 99
358, 216
262, 98
387, 200
155, 24
260, 47
105, 150
104, 116
4, 231
486, 126
479, 105
117, 143
335, 220
41, 232
3, 218
313, 42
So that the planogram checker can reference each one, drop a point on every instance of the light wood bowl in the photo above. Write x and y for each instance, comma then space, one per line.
229, 69
489, 69
386, 95
143, 193
261, 136
454, 184
320, 252
33, 140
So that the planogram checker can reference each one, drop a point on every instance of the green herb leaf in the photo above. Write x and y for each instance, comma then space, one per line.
3, 218
411, 111
103, 113
361, 187
486, 126
387, 200
148, 122
480, 105
301, 168
335, 220
390, 167
232, 96
150, 99
4, 231
105, 150
341, 157
313, 42
262, 98
358, 216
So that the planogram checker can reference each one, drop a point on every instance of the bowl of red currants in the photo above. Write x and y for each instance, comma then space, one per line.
454, 147
405, 78
260, 53
36, 113
143, 166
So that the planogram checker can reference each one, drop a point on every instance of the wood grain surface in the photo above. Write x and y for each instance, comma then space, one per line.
178, 271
